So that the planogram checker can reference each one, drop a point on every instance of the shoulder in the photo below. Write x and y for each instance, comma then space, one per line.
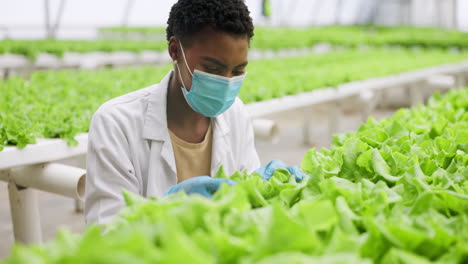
124, 113
125, 104
133, 106
127, 107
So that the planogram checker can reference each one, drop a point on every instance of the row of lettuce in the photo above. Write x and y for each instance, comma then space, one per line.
32, 48
265, 39
60, 104
288, 37
395, 191
280, 38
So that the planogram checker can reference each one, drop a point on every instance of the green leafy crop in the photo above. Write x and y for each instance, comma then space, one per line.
283, 37
395, 191
265, 38
32, 48
60, 104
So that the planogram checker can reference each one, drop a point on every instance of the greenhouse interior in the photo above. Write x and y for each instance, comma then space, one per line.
234, 131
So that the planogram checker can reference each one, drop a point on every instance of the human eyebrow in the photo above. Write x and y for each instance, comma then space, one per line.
242, 65
215, 61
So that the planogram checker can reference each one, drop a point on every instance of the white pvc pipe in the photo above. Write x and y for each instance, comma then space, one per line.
46, 150
80, 162
4, 175
51, 177
441, 80
306, 126
25, 214
415, 92
460, 81
368, 101
79, 205
334, 116
266, 129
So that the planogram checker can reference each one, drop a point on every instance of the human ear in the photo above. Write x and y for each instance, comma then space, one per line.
173, 48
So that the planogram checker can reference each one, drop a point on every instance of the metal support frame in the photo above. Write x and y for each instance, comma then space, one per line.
47, 18
58, 19
338, 11
127, 11
51, 29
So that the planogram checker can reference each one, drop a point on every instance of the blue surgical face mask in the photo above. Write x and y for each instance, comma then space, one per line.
210, 94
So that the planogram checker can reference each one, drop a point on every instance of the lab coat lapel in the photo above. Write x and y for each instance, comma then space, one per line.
221, 153
155, 129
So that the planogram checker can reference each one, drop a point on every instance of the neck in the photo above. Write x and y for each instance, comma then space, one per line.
179, 112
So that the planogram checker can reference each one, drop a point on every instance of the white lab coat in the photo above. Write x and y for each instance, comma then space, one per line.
130, 148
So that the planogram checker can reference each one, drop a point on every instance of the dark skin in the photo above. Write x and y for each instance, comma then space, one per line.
209, 51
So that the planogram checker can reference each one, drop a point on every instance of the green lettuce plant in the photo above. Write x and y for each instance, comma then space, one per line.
395, 191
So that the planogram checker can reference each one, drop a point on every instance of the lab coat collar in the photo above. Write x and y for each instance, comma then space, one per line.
156, 114
155, 128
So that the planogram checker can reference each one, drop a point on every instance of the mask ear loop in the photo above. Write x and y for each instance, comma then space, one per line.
185, 59
180, 75
186, 64
184, 90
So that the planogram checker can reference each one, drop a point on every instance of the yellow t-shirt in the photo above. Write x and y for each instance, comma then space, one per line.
192, 159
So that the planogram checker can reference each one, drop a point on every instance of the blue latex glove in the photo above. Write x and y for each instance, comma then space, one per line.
203, 185
268, 170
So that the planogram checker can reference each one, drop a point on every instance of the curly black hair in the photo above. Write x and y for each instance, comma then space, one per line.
188, 17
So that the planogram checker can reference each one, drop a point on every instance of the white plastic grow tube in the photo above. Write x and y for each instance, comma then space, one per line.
50, 177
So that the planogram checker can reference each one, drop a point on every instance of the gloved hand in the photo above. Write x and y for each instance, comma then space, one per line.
203, 185
268, 170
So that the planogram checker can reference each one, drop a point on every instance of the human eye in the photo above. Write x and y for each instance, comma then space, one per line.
211, 69
238, 73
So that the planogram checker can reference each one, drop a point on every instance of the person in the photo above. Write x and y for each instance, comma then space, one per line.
174, 135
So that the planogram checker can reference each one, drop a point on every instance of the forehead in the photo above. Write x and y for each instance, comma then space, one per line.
227, 48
